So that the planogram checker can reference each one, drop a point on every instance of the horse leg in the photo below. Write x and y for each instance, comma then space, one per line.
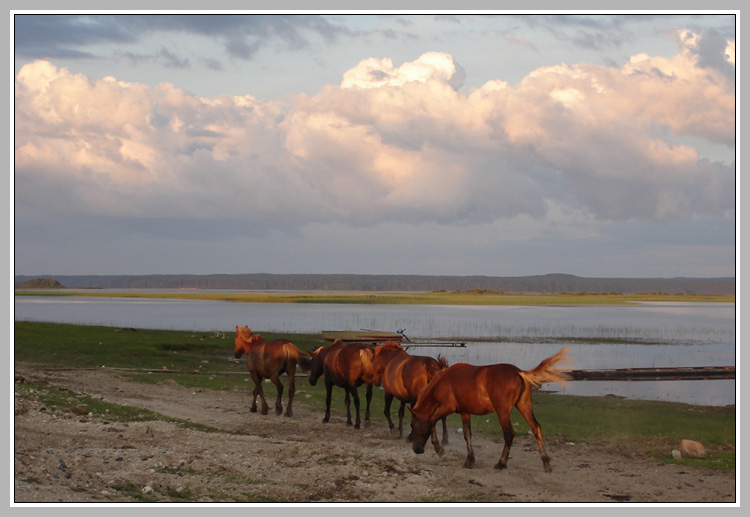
347, 400
434, 439
368, 399
504, 417
387, 411
401, 419
258, 380
524, 407
279, 392
254, 406
445, 430
290, 375
329, 390
355, 396
466, 419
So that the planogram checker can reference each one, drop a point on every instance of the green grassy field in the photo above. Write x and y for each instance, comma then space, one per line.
396, 298
205, 360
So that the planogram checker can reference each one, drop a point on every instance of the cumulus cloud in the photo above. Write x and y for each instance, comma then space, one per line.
390, 143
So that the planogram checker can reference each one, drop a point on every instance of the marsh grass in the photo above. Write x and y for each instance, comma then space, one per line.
201, 360
398, 298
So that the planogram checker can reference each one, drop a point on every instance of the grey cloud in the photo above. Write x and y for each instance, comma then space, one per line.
45, 35
711, 49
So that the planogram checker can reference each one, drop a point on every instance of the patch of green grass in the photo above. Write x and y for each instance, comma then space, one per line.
60, 400
130, 490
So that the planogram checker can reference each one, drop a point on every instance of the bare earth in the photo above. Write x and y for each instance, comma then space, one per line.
64, 457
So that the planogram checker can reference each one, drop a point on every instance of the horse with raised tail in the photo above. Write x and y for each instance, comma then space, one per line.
403, 376
478, 390
269, 360
347, 366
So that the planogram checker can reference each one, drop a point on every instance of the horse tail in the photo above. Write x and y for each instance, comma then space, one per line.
546, 372
368, 370
442, 362
298, 356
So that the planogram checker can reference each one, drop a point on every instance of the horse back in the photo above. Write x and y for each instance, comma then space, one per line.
344, 365
272, 357
407, 377
478, 390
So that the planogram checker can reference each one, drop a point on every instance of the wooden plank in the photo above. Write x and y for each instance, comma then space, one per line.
650, 374
361, 336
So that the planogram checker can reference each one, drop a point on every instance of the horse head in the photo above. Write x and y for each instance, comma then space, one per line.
421, 428
316, 365
242, 341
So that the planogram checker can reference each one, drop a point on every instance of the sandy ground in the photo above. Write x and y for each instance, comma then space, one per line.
65, 457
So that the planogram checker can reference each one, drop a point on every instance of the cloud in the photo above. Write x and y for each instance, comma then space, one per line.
390, 144
51, 36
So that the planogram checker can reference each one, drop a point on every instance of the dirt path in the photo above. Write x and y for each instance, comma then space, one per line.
61, 456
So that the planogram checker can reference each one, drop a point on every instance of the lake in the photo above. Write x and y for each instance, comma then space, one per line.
599, 337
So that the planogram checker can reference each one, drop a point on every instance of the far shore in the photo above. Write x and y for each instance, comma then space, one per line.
475, 297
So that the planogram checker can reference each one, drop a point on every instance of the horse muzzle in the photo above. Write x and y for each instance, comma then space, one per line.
418, 449
237, 355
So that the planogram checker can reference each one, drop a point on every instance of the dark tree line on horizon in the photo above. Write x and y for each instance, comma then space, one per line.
552, 283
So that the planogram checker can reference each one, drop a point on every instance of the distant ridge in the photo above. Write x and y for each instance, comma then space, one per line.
551, 283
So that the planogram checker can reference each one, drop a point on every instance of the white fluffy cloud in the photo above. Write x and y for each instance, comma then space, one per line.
389, 143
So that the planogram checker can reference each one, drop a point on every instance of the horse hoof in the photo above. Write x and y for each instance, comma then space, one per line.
500, 466
440, 451
253, 409
548, 468
264, 411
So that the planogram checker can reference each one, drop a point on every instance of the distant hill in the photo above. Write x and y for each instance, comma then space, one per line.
552, 283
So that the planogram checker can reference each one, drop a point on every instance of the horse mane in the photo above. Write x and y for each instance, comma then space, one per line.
244, 332
442, 361
391, 345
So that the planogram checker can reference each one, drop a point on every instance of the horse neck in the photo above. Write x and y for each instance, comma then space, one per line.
254, 341
426, 404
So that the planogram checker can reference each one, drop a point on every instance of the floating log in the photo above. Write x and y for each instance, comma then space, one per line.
655, 374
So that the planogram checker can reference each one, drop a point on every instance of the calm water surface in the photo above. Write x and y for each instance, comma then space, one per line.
599, 337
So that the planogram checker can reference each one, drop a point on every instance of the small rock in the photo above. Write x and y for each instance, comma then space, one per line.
676, 454
76, 410
692, 449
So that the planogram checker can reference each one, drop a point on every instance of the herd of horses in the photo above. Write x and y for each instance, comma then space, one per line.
429, 388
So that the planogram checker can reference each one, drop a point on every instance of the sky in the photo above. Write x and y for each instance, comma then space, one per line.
445, 143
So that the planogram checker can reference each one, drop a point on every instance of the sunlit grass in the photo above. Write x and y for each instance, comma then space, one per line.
398, 298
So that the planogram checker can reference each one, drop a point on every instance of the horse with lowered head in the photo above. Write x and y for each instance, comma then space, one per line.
478, 390
269, 360
347, 366
403, 376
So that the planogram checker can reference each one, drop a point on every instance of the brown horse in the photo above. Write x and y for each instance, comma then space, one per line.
269, 360
347, 366
478, 390
403, 376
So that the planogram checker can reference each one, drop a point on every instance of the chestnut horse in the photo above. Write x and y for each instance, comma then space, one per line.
478, 390
403, 376
268, 360
347, 366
